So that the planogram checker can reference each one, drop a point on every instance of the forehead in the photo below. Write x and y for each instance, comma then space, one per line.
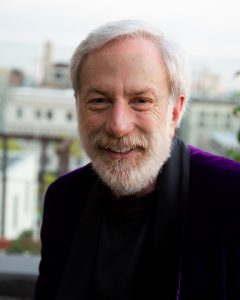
135, 48
125, 59
129, 45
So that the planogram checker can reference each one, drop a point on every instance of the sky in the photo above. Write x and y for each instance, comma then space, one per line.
208, 30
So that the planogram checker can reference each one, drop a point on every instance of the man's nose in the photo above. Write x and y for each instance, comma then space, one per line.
120, 120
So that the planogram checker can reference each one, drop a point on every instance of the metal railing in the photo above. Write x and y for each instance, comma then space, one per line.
18, 276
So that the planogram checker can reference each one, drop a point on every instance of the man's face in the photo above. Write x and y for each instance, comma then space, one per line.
125, 123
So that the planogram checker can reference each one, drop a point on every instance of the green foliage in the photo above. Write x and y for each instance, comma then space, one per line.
49, 178
12, 144
236, 111
24, 244
235, 153
75, 149
235, 96
26, 235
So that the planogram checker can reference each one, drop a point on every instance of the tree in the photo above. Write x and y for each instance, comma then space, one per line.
235, 153
24, 244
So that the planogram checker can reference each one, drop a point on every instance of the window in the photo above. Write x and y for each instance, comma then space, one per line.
50, 115
69, 116
19, 113
38, 114
202, 119
228, 122
58, 75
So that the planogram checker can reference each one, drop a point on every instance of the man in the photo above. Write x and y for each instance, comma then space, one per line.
149, 218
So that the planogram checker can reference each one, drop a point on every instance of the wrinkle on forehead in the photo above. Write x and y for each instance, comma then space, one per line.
122, 59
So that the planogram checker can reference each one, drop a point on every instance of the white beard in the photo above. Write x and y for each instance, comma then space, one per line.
128, 176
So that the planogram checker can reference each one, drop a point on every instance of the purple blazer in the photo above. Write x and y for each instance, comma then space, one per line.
210, 262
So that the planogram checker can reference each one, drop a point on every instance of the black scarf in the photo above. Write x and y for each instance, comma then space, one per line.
164, 239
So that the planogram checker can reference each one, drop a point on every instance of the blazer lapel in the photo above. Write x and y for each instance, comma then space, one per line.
162, 256
75, 283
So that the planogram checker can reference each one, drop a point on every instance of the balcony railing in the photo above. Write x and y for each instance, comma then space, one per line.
18, 276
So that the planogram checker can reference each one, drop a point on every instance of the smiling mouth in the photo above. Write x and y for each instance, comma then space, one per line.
120, 152
123, 150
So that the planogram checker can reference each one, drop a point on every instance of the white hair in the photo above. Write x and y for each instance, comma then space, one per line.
177, 68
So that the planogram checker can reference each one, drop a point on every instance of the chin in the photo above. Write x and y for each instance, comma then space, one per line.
128, 177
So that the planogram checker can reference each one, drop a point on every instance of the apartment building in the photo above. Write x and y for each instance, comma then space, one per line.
207, 119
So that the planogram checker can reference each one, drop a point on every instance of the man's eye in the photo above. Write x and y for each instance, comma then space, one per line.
141, 104
98, 103
141, 101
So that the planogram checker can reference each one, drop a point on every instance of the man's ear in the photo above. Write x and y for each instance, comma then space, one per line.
77, 98
178, 108
177, 113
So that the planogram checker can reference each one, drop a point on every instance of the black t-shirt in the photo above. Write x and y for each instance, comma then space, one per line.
121, 241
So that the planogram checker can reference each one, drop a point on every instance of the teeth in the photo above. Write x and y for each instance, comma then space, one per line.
117, 149
120, 150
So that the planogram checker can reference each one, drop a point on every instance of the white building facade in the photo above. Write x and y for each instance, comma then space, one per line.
21, 194
40, 111
51, 112
205, 118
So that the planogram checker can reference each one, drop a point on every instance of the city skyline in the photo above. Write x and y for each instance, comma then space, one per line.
208, 31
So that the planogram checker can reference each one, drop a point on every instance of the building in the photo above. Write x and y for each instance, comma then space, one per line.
16, 78
55, 75
4, 78
206, 117
206, 84
51, 112
40, 111
224, 142
20, 211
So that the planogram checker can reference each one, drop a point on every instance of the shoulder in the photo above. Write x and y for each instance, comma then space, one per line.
69, 192
64, 204
212, 162
217, 175
66, 197
82, 177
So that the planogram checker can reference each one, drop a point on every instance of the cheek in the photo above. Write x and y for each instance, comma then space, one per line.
154, 119
148, 125
91, 121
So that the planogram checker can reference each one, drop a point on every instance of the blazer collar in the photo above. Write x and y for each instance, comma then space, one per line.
164, 239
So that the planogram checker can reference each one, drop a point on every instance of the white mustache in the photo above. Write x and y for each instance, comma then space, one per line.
123, 144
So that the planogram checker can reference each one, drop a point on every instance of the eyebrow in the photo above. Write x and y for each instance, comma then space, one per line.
96, 90
141, 92
131, 93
